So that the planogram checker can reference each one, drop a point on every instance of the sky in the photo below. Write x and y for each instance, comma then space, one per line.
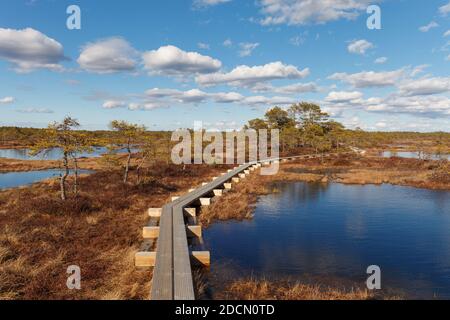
167, 64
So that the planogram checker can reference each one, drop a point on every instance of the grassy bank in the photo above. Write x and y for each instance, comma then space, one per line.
100, 230
261, 289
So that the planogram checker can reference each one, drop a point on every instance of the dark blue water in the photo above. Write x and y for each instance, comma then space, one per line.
339, 230
52, 154
17, 179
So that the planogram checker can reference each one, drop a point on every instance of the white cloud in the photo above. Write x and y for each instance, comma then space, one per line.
425, 86
203, 46
448, 58
447, 33
268, 101
171, 60
35, 110
108, 56
445, 9
208, 3
428, 27
418, 70
228, 97
381, 124
247, 48
369, 78
428, 106
359, 46
29, 49
381, 60
310, 11
343, 96
196, 96
227, 43
114, 104
189, 96
147, 106
295, 88
7, 100
249, 76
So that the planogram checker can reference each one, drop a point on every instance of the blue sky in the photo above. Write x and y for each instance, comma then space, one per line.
166, 64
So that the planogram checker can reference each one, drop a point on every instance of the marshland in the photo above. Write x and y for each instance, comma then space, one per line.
74, 197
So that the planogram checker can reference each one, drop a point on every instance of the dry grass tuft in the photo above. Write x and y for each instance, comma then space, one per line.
252, 289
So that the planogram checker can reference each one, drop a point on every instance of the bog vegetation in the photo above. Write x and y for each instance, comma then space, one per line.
303, 126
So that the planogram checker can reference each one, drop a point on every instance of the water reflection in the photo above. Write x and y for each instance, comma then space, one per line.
414, 155
17, 179
53, 154
339, 230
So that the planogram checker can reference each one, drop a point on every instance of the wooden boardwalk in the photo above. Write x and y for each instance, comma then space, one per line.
172, 274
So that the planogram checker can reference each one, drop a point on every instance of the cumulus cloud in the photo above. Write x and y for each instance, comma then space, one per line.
301, 12
359, 46
445, 9
197, 96
7, 100
29, 49
108, 56
425, 106
428, 27
227, 97
170, 60
367, 79
246, 48
249, 76
343, 96
381, 60
189, 96
425, 86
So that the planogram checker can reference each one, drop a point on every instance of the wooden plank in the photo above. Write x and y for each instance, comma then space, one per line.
162, 287
145, 259
194, 231
150, 232
202, 258
182, 272
154, 212
153, 232
205, 201
190, 212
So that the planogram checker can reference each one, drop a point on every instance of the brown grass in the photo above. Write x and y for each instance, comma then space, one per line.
40, 236
253, 289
